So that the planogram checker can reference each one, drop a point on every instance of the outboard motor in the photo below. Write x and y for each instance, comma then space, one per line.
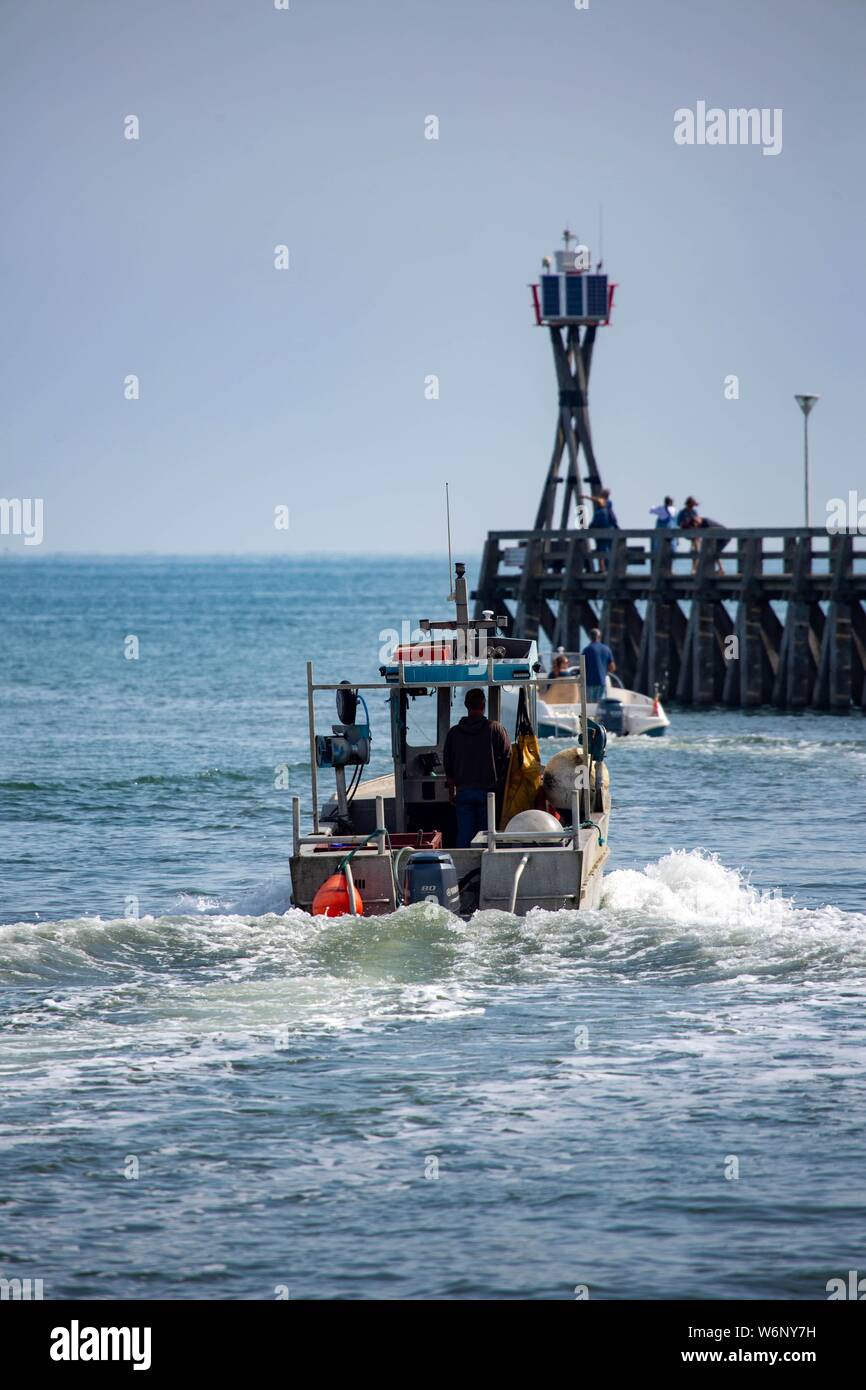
430, 876
610, 714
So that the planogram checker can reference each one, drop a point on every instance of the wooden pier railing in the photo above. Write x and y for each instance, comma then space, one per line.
748, 617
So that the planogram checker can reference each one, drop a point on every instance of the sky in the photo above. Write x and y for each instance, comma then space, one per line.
305, 388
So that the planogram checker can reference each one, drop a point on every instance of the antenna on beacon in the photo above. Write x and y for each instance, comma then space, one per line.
448, 520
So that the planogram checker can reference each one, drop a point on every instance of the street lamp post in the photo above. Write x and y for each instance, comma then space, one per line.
805, 403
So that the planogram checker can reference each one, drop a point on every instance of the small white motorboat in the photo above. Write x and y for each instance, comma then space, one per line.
621, 711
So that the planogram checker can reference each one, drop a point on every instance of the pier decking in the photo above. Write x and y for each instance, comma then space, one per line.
784, 625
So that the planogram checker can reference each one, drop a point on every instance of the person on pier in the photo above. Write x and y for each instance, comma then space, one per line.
665, 516
687, 520
688, 513
603, 519
718, 546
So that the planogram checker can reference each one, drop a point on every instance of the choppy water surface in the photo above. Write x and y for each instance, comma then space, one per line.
402, 1107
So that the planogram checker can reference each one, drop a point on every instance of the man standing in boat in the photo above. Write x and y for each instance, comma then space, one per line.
476, 757
598, 659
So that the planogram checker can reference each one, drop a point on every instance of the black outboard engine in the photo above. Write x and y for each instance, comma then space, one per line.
609, 713
430, 876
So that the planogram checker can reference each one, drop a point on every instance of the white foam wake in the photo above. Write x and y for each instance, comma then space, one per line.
691, 884
689, 895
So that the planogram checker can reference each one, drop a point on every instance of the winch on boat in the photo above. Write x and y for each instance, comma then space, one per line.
380, 843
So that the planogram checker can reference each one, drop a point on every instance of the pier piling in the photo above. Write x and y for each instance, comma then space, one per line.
783, 625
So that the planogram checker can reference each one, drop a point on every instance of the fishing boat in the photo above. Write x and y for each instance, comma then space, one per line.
621, 711
380, 843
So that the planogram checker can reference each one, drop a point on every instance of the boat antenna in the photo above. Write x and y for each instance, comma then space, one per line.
600, 236
448, 521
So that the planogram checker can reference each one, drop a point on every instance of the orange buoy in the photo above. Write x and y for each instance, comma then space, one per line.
332, 899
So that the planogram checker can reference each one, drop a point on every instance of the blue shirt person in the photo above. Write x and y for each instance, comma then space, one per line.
688, 520
603, 519
598, 659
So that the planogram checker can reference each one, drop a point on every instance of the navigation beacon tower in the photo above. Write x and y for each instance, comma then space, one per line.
571, 300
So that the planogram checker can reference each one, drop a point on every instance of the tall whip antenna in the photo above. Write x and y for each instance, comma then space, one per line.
448, 516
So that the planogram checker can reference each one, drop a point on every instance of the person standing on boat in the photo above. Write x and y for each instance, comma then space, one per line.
598, 659
475, 756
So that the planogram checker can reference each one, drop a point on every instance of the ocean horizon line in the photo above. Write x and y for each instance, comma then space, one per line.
30, 555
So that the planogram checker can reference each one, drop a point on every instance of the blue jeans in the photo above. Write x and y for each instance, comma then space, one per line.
470, 804
594, 693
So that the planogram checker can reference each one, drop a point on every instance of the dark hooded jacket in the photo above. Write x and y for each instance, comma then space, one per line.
476, 754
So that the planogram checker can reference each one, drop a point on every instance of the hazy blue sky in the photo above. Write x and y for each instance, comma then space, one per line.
410, 256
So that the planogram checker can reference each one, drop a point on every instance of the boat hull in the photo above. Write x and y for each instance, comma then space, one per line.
514, 878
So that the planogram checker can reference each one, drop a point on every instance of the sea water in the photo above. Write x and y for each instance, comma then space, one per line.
208, 1094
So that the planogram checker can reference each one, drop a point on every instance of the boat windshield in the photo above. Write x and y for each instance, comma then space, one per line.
559, 692
421, 731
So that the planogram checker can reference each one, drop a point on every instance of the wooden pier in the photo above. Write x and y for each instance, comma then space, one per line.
784, 624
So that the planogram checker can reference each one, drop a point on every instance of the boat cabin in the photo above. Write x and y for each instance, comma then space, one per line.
426, 685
